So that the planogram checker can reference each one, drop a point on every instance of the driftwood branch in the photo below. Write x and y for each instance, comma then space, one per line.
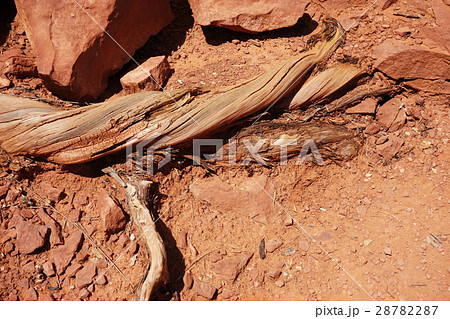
356, 95
294, 137
137, 194
83, 134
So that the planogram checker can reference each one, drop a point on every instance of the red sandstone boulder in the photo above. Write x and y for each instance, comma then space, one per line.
149, 76
250, 16
75, 55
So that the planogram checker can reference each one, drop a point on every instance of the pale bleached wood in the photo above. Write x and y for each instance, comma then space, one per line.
83, 134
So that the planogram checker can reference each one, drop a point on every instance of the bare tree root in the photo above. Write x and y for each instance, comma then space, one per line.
356, 95
137, 194
83, 134
278, 140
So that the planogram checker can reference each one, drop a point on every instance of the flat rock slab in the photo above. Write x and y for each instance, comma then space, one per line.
30, 237
246, 199
368, 106
62, 256
49, 269
3, 191
75, 54
4, 82
392, 115
390, 148
436, 35
31, 295
248, 15
229, 268
204, 289
86, 275
433, 86
50, 192
7, 234
56, 237
273, 244
401, 61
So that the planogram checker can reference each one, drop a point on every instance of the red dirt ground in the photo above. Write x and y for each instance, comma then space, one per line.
359, 229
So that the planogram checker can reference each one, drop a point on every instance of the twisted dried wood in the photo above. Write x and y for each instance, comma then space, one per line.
138, 194
324, 84
357, 94
86, 133
157, 274
277, 141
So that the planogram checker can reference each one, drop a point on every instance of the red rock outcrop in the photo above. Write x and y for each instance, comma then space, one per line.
75, 55
251, 16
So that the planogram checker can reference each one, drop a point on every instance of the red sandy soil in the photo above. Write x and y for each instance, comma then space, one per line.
359, 229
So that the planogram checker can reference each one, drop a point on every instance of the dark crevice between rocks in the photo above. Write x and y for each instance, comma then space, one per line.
217, 35
7, 13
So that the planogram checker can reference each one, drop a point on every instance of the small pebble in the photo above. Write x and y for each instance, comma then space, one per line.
303, 245
273, 244
288, 221
274, 273
101, 280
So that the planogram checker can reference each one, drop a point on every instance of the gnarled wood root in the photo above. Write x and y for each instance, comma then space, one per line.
83, 134
137, 194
